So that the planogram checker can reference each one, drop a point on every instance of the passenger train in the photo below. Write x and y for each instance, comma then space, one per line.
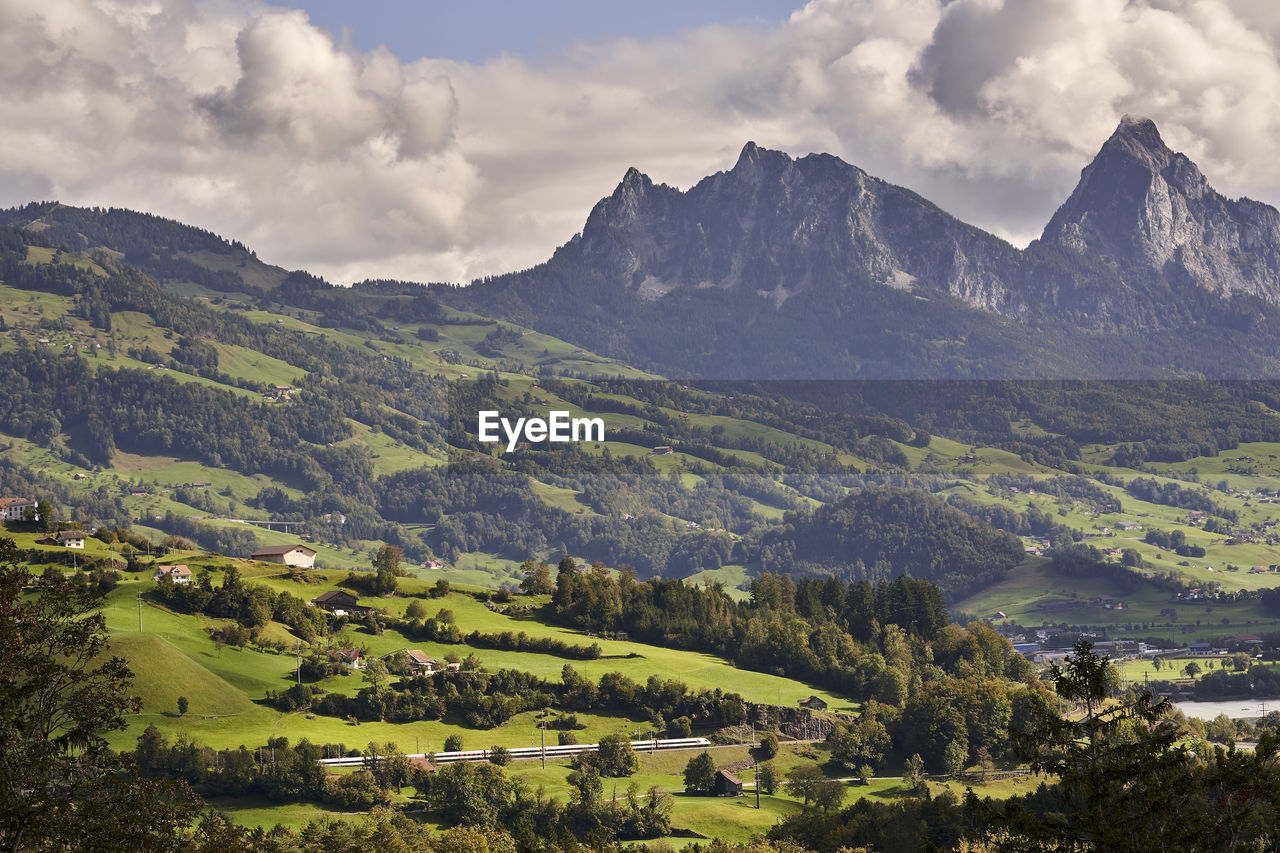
563, 751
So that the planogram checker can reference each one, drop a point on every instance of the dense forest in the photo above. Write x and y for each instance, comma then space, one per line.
881, 532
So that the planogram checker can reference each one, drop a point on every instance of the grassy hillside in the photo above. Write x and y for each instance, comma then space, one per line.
743, 456
174, 655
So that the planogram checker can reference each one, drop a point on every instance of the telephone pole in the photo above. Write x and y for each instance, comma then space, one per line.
139, 613
757, 762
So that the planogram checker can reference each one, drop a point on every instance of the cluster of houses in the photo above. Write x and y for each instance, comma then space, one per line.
420, 663
1196, 593
1115, 649
1106, 602
286, 555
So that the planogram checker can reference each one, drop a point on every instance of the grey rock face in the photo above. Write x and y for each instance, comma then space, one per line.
1141, 206
776, 227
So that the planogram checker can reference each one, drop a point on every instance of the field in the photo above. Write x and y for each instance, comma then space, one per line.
172, 656
733, 819
760, 463
227, 684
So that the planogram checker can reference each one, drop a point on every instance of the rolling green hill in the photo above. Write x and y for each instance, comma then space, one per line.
196, 408
231, 398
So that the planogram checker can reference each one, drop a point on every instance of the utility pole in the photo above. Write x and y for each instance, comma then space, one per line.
299, 663
757, 761
542, 726
139, 613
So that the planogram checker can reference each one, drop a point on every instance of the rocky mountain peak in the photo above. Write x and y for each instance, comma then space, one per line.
754, 157
1138, 137
1145, 209
757, 165
628, 203
634, 180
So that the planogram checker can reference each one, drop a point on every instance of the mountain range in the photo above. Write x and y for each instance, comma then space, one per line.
808, 268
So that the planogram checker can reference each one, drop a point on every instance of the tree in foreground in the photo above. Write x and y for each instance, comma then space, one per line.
537, 578
387, 559
61, 786
1127, 780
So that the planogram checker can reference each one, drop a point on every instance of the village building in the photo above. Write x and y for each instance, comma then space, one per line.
299, 556
1045, 655
15, 509
180, 575
421, 663
71, 538
1245, 640
813, 703
727, 785
421, 763
338, 602
350, 658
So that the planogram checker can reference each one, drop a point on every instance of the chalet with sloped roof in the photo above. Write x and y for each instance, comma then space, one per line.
338, 602
420, 661
180, 575
351, 658
71, 538
298, 555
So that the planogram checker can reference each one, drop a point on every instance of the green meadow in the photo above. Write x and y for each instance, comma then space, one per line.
174, 655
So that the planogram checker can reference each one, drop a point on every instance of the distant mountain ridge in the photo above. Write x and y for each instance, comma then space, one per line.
830, 272
810, 268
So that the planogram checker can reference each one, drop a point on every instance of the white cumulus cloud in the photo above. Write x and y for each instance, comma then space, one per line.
248, 120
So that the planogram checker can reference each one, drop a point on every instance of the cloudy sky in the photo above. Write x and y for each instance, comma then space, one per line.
442, 141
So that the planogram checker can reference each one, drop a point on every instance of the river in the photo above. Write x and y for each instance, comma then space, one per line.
1236, 709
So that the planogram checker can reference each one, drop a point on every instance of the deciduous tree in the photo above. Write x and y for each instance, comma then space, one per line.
700, 773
